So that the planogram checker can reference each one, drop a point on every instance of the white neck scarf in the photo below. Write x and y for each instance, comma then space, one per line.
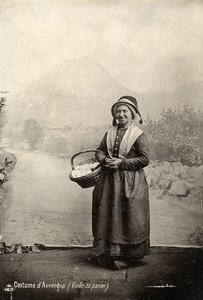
130, 136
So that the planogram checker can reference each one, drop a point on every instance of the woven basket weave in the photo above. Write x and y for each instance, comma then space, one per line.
88, 180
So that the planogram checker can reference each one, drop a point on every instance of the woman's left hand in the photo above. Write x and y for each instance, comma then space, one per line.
112, 163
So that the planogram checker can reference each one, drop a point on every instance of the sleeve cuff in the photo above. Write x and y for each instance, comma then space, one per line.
123, 164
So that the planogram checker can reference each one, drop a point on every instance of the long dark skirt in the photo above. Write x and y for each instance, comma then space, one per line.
120, 215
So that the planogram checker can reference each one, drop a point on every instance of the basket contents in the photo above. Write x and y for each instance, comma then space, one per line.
83, 170
87, 173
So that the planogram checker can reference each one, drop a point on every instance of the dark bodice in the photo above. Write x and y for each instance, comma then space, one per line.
137, 158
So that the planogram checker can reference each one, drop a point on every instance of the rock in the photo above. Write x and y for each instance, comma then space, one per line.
19, 250
178, 188
2, 177
192, 172
165, 168
177, 168
152, 163
2, 245
151, 181
164, 184
199, 181
170, 177
191, 179
189, 184
170, 171
157, 171
35, 249
199, 176
147, 170
200, 169
184, 171
198, 172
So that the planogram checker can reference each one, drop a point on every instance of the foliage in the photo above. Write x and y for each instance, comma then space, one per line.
2, 113
2, 102
32, 132
177, 136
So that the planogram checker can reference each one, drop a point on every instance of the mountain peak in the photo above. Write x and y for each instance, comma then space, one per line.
82, 90
78, 89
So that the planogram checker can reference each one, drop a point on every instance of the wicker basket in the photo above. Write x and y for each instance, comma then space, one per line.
88, 180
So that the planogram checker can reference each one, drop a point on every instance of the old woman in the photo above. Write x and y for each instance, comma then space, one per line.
120, 213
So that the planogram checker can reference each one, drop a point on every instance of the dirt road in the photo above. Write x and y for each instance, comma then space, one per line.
41, 205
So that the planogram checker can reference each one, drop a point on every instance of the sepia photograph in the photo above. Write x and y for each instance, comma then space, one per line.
101, 149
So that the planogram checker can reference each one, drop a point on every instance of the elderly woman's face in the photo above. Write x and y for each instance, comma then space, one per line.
124, 115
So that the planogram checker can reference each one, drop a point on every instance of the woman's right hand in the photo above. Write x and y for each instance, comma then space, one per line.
107, 163
112, 163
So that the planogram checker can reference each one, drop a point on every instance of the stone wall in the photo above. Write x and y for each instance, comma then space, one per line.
176, 180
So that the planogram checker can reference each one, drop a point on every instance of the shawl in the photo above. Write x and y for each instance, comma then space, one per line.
130, 136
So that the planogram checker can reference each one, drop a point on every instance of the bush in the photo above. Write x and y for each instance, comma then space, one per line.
2, 113
177, 136
32, 132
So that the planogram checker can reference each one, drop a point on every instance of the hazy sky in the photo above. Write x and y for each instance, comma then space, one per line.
145, 45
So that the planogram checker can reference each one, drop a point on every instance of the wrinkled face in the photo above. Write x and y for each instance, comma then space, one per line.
124, 115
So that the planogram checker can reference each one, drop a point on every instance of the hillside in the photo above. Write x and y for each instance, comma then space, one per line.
81, 91
155, 101
78, 91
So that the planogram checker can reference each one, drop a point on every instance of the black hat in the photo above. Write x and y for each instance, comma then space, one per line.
129, 101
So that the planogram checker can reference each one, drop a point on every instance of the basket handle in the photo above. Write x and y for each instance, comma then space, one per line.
72, 158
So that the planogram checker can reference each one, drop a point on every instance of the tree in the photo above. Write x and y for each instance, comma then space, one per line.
177, 136
2, 113
33, 132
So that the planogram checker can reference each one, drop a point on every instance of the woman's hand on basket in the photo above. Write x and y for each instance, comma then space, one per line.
112, 163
